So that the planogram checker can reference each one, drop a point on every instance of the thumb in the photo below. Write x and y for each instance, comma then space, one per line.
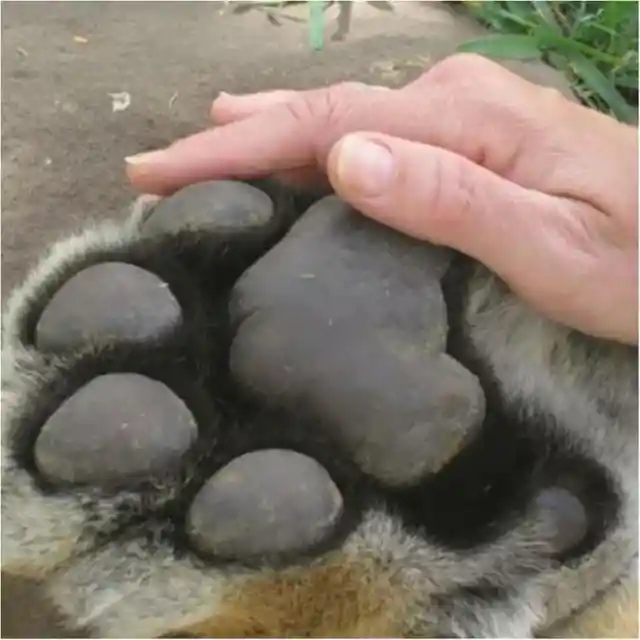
433, 194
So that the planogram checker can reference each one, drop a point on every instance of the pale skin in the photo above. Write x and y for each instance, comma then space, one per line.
541, 190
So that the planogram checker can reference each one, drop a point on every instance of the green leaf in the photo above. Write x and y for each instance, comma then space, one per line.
316, 25
615, 13
485, 13
520, 9
573, 48
600, 85
545, 9
510, 17
516, 47
629, 81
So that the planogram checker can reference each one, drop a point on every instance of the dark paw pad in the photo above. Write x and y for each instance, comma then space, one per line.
108, 302
263, 503
218, 207
346, 320
115, 428
566, 517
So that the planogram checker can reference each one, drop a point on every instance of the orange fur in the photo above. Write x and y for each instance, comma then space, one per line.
346, 599
331, 599
614, 615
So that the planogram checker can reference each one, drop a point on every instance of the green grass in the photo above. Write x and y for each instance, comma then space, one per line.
594, 43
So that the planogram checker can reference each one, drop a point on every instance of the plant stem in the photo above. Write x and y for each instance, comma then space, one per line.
316, 25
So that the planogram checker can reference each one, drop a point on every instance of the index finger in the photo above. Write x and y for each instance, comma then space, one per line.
467, 105
293, 134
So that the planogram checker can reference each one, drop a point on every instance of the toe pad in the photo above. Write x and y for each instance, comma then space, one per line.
213, 206
107, 302
117, 427
262, 503
567, 517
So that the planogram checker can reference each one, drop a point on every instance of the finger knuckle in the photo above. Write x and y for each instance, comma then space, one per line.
324, 105
460, 69
552, 100
301, 109
553, 95
340, 98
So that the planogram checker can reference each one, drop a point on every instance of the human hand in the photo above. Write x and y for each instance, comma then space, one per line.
539, 189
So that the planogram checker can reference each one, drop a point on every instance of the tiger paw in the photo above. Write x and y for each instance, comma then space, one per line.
230, 413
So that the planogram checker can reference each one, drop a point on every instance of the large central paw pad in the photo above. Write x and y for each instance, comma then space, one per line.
347, 320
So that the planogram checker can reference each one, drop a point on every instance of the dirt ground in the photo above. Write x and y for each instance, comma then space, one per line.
63, 145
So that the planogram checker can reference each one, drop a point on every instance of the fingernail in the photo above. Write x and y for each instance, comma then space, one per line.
365, 165
144, 158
